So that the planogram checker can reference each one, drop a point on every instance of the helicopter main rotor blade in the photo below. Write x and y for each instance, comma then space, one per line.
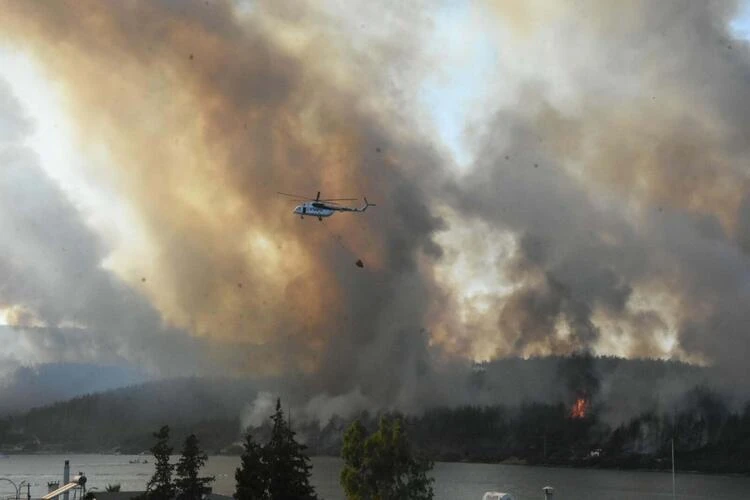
295, 196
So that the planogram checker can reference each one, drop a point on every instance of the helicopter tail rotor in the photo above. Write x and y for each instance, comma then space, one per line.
367, 204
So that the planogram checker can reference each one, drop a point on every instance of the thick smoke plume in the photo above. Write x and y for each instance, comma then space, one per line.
204, 115
620, 170
608, 195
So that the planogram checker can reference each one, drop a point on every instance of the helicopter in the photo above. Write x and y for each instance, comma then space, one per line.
315, 207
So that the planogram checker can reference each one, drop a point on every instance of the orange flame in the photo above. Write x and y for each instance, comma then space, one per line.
579, 408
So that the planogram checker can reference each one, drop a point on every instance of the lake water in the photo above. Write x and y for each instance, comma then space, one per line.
452, 480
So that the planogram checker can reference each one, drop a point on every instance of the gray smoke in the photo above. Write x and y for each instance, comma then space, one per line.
626, 190
616, 172
237, 283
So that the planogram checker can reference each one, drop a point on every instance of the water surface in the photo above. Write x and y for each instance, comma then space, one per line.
453, 481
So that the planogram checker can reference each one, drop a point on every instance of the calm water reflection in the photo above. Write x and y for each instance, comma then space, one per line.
452, 481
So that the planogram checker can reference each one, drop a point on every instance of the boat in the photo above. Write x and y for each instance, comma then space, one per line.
497, 495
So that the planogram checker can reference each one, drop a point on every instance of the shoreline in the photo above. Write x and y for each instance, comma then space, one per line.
507, 462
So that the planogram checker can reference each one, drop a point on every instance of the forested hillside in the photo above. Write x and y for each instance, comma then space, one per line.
573, 421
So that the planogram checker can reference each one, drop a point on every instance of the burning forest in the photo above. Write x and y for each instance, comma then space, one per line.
708, 434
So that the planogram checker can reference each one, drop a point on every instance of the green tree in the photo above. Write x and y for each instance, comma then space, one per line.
383, 466
287, 465
160, 485
188, 484
252, 475
354, 476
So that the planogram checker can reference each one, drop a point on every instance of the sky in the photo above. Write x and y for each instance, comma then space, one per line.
550, 177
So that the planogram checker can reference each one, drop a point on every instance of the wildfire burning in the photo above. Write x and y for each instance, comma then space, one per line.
579, 408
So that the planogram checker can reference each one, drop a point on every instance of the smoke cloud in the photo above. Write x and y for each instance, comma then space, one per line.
606, 209
620, 170
204, 115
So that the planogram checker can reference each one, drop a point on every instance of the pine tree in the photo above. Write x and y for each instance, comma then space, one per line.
160, 485
252, 475
288, 466
188, 485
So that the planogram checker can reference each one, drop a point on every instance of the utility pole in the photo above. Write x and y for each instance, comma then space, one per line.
66, 477
674, 491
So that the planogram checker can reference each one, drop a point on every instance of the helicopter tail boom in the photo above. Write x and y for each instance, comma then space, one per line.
354, 209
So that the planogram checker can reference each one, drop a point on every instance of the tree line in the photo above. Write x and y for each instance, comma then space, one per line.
122, 420
708, 436
379, 466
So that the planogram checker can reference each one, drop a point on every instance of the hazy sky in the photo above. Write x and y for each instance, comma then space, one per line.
551, 177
